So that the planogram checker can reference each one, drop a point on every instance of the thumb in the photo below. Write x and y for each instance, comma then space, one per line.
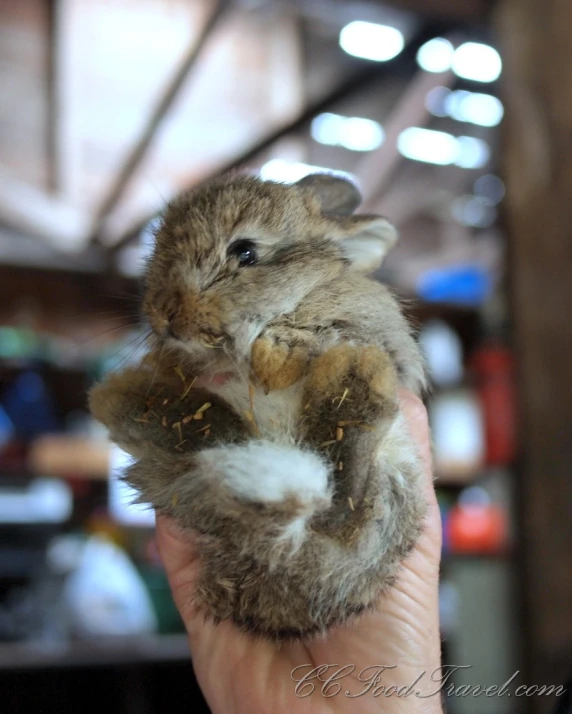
179, 554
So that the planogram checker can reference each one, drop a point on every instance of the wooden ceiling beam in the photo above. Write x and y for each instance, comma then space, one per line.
137, 154
61, 146
456, 10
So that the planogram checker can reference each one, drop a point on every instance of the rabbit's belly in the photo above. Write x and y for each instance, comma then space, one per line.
276, 414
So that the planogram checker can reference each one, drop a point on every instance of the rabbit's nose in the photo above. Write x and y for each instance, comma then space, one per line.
171, 328
171, 333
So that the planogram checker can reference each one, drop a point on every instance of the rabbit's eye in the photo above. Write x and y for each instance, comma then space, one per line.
244, 251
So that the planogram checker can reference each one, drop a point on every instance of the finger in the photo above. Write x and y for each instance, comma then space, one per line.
177, 546
180, 559
417, 420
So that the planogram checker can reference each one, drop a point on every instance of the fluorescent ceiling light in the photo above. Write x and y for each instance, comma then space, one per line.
443, 149
288, 171
473, 153
327, 128
355, 133
371, 41
436, 55
475, 108
471, 107
477, 62
432, 147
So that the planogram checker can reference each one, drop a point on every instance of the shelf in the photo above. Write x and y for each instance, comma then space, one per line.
504, 555
103, 651
61, 455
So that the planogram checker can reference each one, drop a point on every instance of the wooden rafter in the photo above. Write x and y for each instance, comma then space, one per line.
60, 145
137, 154
467, 10
375, 170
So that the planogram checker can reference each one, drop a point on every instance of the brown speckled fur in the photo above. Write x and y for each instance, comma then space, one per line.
303, 323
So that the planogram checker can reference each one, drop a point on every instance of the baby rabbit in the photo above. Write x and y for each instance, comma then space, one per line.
293, 464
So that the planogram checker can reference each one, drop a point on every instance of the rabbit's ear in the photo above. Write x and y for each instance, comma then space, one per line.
337, 195
365, 240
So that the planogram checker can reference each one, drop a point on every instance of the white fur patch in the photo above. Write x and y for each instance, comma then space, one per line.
264, 472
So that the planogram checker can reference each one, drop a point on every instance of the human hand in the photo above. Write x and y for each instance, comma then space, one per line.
240, 674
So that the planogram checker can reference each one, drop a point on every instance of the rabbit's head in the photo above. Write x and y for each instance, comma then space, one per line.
236, 254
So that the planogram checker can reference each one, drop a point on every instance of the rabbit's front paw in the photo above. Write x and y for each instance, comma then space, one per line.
278, 363
142, 415
358, 382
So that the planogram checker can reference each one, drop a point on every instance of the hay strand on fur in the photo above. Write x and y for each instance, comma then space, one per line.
177, 426
249, 416
342, 398
251, 392
188, 389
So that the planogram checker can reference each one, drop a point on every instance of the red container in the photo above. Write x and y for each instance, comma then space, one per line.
493, 370
477, 530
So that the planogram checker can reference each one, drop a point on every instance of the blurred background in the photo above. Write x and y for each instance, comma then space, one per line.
455, 118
